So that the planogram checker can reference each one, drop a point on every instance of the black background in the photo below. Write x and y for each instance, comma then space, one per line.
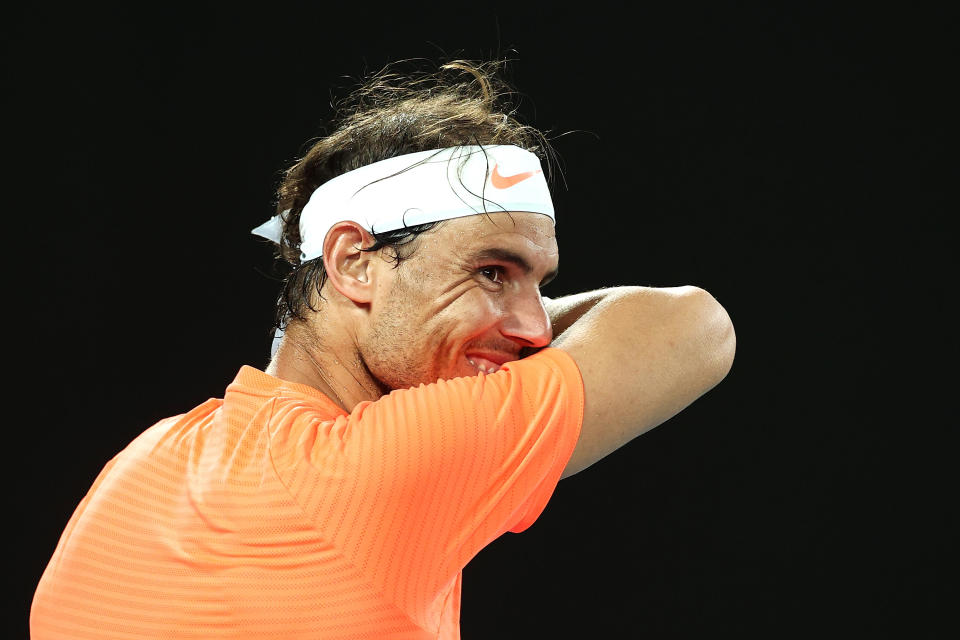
792, 161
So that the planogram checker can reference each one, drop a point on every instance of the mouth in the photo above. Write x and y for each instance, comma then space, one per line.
489, 362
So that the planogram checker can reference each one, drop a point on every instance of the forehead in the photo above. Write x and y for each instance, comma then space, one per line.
531, 234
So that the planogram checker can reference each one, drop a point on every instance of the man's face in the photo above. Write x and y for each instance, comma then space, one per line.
465, 302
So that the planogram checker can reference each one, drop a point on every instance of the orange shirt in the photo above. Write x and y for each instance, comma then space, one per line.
272, 513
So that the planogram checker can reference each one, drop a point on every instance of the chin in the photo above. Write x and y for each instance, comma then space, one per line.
461, 369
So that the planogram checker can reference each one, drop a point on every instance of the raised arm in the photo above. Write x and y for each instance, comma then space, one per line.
644, 353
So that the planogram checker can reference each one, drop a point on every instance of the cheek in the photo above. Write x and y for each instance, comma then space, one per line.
438, 318
474, 314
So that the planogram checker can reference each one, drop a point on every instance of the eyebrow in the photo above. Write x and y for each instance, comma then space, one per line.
505, 255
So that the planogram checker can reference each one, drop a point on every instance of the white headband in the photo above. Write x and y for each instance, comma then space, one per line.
418, 188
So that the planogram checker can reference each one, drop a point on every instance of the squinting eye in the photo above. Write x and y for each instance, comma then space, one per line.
493, 274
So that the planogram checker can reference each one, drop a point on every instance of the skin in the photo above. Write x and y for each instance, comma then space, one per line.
458, 307
466, 301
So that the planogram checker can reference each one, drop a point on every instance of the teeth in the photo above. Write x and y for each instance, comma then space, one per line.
484, 368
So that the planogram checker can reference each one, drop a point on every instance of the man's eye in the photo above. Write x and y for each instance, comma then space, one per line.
494, 274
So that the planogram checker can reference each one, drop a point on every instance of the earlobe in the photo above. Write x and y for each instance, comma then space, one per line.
349, 269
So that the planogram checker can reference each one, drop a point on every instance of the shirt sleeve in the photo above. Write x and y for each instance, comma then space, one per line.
412, 486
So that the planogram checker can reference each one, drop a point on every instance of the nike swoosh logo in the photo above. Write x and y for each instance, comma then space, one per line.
505, 182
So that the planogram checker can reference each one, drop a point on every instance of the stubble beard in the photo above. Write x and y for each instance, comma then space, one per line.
395, 354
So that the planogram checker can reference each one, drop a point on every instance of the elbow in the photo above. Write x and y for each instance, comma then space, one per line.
718, 339
727, 346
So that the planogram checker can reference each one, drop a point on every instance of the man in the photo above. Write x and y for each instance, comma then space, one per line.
423, 400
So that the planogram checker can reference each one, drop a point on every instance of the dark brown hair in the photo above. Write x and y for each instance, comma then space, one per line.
391, 114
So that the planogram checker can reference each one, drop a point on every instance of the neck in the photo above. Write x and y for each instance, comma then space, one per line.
333, 367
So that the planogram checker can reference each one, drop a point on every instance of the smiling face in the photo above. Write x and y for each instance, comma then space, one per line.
465, 302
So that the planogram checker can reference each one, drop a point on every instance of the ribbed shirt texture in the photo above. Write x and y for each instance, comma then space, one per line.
272, 513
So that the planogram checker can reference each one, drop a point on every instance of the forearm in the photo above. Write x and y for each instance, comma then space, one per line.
564, 311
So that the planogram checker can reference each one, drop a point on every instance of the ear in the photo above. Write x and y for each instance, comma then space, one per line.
349, 269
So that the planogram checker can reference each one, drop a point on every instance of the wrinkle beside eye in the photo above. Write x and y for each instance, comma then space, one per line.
455, 290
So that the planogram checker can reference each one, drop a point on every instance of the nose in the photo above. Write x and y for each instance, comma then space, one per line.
528, 322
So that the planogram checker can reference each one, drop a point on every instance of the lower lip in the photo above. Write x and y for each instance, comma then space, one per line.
483, 365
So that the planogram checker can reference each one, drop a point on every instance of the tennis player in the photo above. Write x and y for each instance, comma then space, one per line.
423, 397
